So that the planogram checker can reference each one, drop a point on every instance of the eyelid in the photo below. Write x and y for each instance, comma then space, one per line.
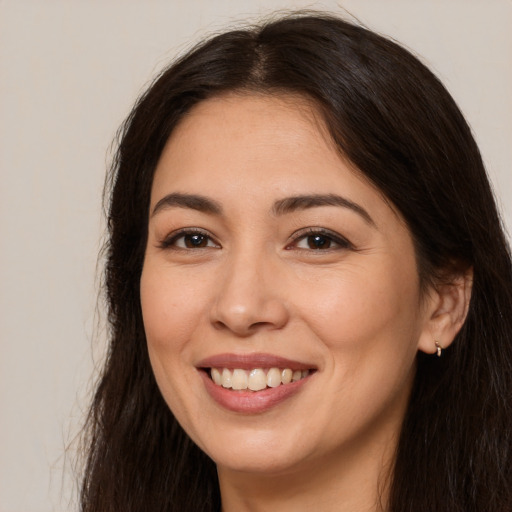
341, 241
169, 240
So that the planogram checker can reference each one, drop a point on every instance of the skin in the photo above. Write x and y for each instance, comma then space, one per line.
352, 309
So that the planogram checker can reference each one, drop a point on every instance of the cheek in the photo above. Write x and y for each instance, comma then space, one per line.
366, 318
171, 306
171, 310
368, 328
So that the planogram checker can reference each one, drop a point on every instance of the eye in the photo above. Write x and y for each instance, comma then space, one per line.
315, 242
189, 239
318, 240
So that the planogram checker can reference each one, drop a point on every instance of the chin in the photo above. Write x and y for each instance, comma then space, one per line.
264, 462
269, 451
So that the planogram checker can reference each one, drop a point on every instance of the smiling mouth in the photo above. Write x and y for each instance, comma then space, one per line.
253, 383
257, 379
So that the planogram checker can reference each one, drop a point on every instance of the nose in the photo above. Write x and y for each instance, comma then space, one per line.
250, 297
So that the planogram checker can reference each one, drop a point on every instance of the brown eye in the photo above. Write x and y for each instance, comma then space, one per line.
319, 239
194, 241
318, 242
189, 240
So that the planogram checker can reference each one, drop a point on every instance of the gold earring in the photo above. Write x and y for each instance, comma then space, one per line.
439, 348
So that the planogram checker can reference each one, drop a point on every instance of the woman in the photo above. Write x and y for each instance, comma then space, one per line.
300, 223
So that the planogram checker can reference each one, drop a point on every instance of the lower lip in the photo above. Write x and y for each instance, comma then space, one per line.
251, 402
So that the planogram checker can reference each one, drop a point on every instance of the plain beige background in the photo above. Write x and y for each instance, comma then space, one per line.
69, 72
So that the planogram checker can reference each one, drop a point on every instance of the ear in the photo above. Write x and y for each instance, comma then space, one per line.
446, 308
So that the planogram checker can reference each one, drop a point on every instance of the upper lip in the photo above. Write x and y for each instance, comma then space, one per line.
251, 361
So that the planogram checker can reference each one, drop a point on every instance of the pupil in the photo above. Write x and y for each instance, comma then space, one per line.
195, 240
318, 242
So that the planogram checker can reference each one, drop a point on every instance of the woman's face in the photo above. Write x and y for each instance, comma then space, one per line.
268, 260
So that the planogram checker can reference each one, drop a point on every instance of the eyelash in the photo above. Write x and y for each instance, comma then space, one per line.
328, 236
170, 241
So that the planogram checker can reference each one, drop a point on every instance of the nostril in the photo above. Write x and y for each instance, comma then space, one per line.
243, 329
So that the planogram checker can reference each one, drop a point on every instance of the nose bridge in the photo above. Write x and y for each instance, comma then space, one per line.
248, 298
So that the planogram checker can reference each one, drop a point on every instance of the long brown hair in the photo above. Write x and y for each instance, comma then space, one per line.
392, 118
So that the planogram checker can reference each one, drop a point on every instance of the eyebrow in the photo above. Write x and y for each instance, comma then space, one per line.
280, 207
303, 202
192, 201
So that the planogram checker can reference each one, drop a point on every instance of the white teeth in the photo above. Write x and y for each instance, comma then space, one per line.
286, 376
239, 379
216, 377
256, 379
297, 375
273, 378
226, 378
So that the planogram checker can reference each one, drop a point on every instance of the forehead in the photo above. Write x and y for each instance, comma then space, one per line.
242, 132
253, 145
253, 120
